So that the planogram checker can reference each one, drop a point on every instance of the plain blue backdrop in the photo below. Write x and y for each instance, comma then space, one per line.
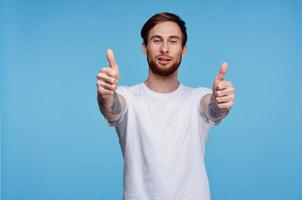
54, 142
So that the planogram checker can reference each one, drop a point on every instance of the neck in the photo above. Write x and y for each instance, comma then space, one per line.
162, 84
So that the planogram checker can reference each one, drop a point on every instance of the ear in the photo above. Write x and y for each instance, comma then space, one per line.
184, 50
144, 48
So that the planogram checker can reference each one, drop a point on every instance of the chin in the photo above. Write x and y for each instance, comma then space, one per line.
163, 70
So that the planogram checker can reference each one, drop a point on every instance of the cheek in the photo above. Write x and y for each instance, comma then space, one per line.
178, 55
152, 51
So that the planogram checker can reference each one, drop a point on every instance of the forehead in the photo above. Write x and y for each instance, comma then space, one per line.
165, 29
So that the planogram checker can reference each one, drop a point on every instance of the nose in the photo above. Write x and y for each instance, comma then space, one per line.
164, 48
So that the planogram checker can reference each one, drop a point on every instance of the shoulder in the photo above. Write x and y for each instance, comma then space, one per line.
201, 91
129, 91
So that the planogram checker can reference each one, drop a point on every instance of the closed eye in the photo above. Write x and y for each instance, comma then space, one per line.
156, 41
174, 40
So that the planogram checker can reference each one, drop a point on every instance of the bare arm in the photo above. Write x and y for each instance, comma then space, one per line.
210, 109
218, 104
112, 107
110, 103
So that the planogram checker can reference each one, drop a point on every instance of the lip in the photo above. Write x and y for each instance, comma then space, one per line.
164, 60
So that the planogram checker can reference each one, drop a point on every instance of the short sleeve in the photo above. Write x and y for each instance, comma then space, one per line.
124, 92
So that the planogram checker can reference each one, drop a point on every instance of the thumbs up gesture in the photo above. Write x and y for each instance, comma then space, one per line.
108, 77
223, 92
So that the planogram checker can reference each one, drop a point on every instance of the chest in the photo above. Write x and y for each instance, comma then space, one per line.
163, 116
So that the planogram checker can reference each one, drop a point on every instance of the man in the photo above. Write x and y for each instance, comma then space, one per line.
162, 124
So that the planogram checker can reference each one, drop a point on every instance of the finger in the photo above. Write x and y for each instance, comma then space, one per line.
223, 85
106, 78
216, 83
109, 72
227, 91
106, 85
225, 99
111, 60
104, 92
103, 84
222, 71
225, 106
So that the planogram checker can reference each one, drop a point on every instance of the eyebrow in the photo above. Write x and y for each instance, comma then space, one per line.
155, 36
171, 37
175, 37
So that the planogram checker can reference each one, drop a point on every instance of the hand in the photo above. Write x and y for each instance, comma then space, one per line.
108, 77
223, 91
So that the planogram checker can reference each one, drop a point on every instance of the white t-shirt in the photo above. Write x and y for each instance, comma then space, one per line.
163, 137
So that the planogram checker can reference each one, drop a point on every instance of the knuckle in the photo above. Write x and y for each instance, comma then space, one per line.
99, 75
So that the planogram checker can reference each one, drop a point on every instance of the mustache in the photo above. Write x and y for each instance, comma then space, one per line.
164, 56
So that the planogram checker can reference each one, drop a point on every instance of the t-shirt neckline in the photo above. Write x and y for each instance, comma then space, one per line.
161, 95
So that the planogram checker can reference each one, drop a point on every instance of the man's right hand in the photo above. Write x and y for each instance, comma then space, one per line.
108, 77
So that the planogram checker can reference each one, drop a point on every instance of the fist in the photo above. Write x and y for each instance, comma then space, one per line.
223, 91
108, 77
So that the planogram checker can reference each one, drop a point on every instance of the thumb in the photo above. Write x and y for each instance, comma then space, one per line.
222, 71
111, 60
216, 83
220, 76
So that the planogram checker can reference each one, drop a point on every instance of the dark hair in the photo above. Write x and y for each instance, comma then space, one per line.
164, 17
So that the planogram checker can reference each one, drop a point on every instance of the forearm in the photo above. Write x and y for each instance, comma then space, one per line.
111, 106
211, 110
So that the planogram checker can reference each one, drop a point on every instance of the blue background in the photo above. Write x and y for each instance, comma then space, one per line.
54, 142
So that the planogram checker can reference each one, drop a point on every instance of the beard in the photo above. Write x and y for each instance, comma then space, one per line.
163, 70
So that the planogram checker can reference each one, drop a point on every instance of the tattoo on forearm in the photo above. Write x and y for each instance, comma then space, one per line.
213, 111
116, 104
